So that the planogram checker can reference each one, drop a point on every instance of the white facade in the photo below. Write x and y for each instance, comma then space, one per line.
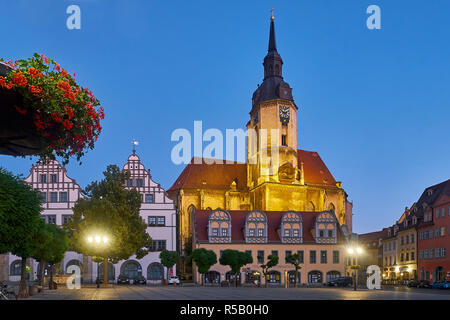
61, 192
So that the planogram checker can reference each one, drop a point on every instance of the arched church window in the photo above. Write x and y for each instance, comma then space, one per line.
291, 227
219, 226
326, 227
256, 227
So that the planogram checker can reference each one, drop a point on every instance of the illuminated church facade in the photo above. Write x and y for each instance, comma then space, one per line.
277, 177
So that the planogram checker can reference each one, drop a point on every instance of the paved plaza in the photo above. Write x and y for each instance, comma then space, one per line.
132, 292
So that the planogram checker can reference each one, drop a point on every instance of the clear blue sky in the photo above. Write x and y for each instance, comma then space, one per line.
374, 104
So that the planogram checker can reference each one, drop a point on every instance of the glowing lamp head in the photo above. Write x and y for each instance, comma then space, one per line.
359, 250
90, 239
105, 239
98, 239
350, 250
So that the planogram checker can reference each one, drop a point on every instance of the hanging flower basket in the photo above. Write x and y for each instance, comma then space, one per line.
44, 112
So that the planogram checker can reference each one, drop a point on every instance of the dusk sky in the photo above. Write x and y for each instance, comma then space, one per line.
375, 104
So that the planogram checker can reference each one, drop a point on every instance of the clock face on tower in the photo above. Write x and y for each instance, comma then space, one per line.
284, 114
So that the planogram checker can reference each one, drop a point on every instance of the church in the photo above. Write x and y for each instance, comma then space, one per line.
277, 176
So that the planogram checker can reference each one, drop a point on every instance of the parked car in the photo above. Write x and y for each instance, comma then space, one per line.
341, 282
123, 279
413, 283
140, 279
424, 284
173, 280
441, 285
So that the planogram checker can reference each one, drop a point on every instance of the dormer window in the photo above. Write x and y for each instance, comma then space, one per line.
326, 228
219, 226
291, 227
256, 227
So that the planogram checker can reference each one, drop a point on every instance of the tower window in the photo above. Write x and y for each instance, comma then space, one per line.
284, 140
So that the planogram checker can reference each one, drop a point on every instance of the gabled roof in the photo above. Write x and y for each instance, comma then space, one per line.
273, 224
198, 174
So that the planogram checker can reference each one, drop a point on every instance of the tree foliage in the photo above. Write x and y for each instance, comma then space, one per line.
235, 260
168, 259
204, 259
20, 208
108, 209
295, 260
272, 262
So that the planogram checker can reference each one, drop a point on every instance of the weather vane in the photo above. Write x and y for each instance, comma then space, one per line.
135, 143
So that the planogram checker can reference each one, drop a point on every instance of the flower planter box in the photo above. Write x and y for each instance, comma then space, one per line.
44, 112
18, 135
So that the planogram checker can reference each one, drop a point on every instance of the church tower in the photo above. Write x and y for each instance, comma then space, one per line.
272, 140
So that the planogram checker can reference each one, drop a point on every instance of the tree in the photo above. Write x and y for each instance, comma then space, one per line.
236, 260
20, 208
168, 259
295, 260
49, 247
204, 259
111, 211
272, 262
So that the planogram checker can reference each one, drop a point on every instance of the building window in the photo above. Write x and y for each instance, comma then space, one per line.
402, 257
53, 178
301, 256
158, 245
219, 226
312, 256
66, 218
43, 178
407, 256
53, 196
260, 256
129, 182
413, 256
275, 253
256, 221
284, 140
323, 257
51, 219
139, 183
44, 196
16, 268
149, 198
63, 197
249, 252
156, 221
412, 238
287, 256
336, 257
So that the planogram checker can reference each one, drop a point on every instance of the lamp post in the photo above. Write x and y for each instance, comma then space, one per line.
355, 252
100, 242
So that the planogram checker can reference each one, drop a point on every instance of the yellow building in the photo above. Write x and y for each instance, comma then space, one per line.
277, 176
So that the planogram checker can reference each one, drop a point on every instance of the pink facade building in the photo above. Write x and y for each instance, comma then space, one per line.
316, 236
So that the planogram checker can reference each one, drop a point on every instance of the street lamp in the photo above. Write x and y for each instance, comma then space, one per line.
100, 241
355, 251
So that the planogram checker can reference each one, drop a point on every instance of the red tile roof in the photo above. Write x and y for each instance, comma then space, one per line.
273, 224
220, 176
316, 172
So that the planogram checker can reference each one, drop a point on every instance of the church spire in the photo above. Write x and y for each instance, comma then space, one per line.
272, 43
272, 61
273, 85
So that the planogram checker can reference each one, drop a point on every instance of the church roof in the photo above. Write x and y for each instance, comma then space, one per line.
199, 174
220, 176
273, 225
